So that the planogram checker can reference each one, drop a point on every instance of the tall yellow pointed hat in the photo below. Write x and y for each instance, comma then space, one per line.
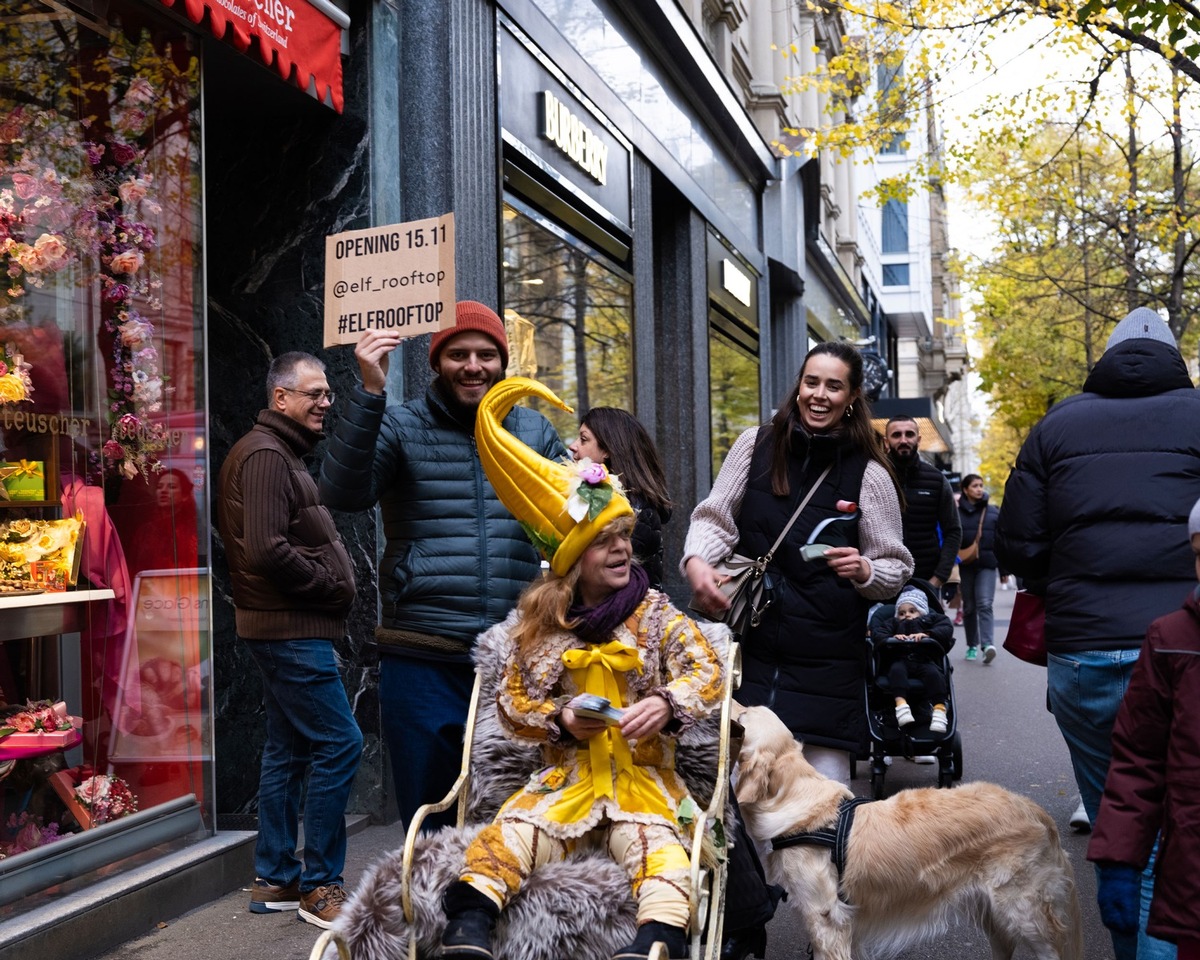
562, 506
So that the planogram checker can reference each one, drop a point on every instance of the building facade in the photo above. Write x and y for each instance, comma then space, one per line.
613, 198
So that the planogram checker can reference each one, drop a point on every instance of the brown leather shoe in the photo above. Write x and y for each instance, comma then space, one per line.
321, 906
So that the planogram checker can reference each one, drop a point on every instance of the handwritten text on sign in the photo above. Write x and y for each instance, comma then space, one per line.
398, 278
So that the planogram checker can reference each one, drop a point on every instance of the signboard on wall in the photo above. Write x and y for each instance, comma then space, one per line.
549, 122
398, 278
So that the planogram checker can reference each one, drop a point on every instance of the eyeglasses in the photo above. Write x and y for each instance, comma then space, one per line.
313, 395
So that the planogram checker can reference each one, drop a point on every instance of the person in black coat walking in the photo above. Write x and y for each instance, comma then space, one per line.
980, 572
1095, 514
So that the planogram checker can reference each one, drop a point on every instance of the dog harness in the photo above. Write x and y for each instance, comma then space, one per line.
836, 837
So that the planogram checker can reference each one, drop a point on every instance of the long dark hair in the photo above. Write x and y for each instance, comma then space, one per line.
966, 481
631, 454
857, 424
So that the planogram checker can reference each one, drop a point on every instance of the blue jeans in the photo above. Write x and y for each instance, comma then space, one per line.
309, 728
424, 705
978, 593
1086, 690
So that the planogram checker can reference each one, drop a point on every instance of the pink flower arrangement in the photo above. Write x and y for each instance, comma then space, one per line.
25, 831
75, 202
106, 797
590, 489
37, 715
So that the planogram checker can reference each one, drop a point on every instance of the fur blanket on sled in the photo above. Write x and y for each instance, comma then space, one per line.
579, 908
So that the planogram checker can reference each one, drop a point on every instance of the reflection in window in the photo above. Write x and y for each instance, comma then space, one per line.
100, 220
569, 318
895, 274
733, 381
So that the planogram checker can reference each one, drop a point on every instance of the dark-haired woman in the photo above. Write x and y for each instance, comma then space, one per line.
979, 575
805, 658
617, 439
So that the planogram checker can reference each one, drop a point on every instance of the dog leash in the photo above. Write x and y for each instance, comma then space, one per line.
837, 838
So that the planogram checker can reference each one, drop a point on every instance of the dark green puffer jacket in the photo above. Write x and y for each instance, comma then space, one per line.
455, 560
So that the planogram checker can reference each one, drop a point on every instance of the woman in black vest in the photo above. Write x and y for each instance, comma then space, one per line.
805, 659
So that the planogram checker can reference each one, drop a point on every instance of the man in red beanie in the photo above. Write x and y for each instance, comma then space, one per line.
455, 560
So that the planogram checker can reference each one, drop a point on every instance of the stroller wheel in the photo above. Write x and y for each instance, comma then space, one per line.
877, 776
853, 766
956, 754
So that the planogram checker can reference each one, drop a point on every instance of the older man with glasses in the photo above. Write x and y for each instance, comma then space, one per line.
292, 589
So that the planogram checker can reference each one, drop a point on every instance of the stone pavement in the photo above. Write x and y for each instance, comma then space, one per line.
225, 928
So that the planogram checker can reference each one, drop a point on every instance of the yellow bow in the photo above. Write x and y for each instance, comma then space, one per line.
28, 468
599, 666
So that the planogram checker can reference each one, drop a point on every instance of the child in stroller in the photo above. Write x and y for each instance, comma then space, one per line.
923, 683
909, 659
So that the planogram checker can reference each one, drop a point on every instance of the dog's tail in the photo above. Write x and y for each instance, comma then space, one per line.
1068, 924
1072, 945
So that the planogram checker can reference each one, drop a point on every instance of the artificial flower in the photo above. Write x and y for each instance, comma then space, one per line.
106, 797
127, 261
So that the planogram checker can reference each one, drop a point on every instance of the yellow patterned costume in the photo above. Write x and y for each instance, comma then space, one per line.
632, 790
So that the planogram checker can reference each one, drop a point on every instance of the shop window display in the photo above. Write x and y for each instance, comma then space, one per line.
568, 313
103, 487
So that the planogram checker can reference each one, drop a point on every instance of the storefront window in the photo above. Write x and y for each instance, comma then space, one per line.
103, 489
733, 380
569, 313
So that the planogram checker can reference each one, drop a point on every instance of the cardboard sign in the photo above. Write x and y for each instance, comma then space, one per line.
398, 278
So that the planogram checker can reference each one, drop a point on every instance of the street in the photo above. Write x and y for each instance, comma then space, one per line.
1008, 738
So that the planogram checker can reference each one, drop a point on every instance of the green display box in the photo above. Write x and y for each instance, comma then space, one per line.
23, 481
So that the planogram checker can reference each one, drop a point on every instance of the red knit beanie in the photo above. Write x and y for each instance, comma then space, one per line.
471, 315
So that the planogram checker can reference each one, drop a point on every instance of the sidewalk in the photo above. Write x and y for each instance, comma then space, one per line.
226, 928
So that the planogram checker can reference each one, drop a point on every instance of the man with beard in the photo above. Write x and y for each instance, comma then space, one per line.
455, 560
929, 504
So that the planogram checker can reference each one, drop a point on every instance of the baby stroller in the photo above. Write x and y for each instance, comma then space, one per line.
887, 738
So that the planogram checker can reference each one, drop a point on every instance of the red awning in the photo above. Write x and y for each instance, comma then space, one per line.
303, 43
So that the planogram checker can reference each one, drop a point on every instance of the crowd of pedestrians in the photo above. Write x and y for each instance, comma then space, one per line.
1100, 516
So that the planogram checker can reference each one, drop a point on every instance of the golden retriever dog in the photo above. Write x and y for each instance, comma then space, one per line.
914, 863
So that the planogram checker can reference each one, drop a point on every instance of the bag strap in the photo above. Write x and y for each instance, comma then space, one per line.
795, 516
979, 532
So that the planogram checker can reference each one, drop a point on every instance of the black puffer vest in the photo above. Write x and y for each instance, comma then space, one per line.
805, 660
922, 484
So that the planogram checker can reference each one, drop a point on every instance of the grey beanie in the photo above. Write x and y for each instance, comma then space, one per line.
916, 597
1194, 521
1142, 324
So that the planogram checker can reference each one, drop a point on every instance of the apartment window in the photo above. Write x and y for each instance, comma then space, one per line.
895, 227
895, 274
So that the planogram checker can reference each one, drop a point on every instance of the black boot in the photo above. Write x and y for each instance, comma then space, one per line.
741, 944
470, 919
648, 934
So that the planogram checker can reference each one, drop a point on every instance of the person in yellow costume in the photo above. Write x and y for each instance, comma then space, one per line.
590, 626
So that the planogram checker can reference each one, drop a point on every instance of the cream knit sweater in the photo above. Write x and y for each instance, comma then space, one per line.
713, 534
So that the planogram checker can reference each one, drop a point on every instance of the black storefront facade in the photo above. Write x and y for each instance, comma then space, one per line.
610, 199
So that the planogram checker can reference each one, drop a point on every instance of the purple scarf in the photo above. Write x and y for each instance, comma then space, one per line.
596, 624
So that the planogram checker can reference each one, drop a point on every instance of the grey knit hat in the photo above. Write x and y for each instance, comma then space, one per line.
1194, 521
916, 597
1142, 324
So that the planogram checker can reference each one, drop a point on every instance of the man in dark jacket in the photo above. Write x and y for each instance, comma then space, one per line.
455, 560
932, 531
1095, 514
292, 588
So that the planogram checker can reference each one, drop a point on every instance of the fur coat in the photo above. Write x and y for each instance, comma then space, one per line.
579, 908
